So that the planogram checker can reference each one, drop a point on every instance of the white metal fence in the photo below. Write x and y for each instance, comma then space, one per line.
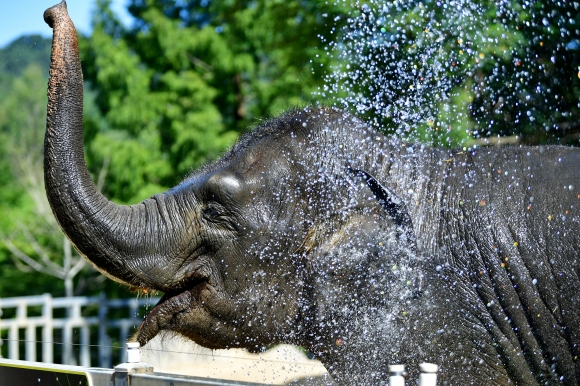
85, 331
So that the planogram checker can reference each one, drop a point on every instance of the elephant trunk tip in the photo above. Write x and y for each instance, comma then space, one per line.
52, 13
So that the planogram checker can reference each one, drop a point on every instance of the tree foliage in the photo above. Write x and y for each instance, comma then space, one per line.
178, 87
30, 239
451, 72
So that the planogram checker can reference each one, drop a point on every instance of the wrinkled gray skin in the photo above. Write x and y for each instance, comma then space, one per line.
315, 230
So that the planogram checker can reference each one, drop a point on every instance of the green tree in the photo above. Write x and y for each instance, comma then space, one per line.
30, 238
448, 73
178, 87
29, 231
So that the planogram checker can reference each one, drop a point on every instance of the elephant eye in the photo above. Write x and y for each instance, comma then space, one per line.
212, 212
217, 215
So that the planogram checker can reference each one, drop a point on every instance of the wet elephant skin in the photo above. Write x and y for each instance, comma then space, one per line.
318, 231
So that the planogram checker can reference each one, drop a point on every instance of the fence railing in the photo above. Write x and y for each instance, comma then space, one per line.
89, 332
85, 331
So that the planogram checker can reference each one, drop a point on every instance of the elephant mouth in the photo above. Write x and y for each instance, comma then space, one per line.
173, 309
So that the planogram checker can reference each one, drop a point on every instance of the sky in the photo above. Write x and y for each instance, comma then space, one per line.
22, 17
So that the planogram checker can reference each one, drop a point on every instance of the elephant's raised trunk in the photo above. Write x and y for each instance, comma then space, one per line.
129, 243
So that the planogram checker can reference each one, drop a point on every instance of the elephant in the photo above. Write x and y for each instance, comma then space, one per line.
317, 230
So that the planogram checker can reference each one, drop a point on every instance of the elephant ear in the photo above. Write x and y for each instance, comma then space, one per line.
393, 205
369, 250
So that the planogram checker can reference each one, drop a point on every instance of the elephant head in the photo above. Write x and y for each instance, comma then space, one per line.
259, 247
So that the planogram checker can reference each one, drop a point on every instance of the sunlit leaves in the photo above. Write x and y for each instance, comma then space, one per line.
180, 84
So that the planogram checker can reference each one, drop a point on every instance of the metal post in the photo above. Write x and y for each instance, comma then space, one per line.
67, 344
14, 333
133, 352
396, 375
104, 341
30, 344
85, 348
428, 376
133, 365
47, 335
123, 335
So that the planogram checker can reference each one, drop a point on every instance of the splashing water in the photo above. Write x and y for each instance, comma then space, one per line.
448, 72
